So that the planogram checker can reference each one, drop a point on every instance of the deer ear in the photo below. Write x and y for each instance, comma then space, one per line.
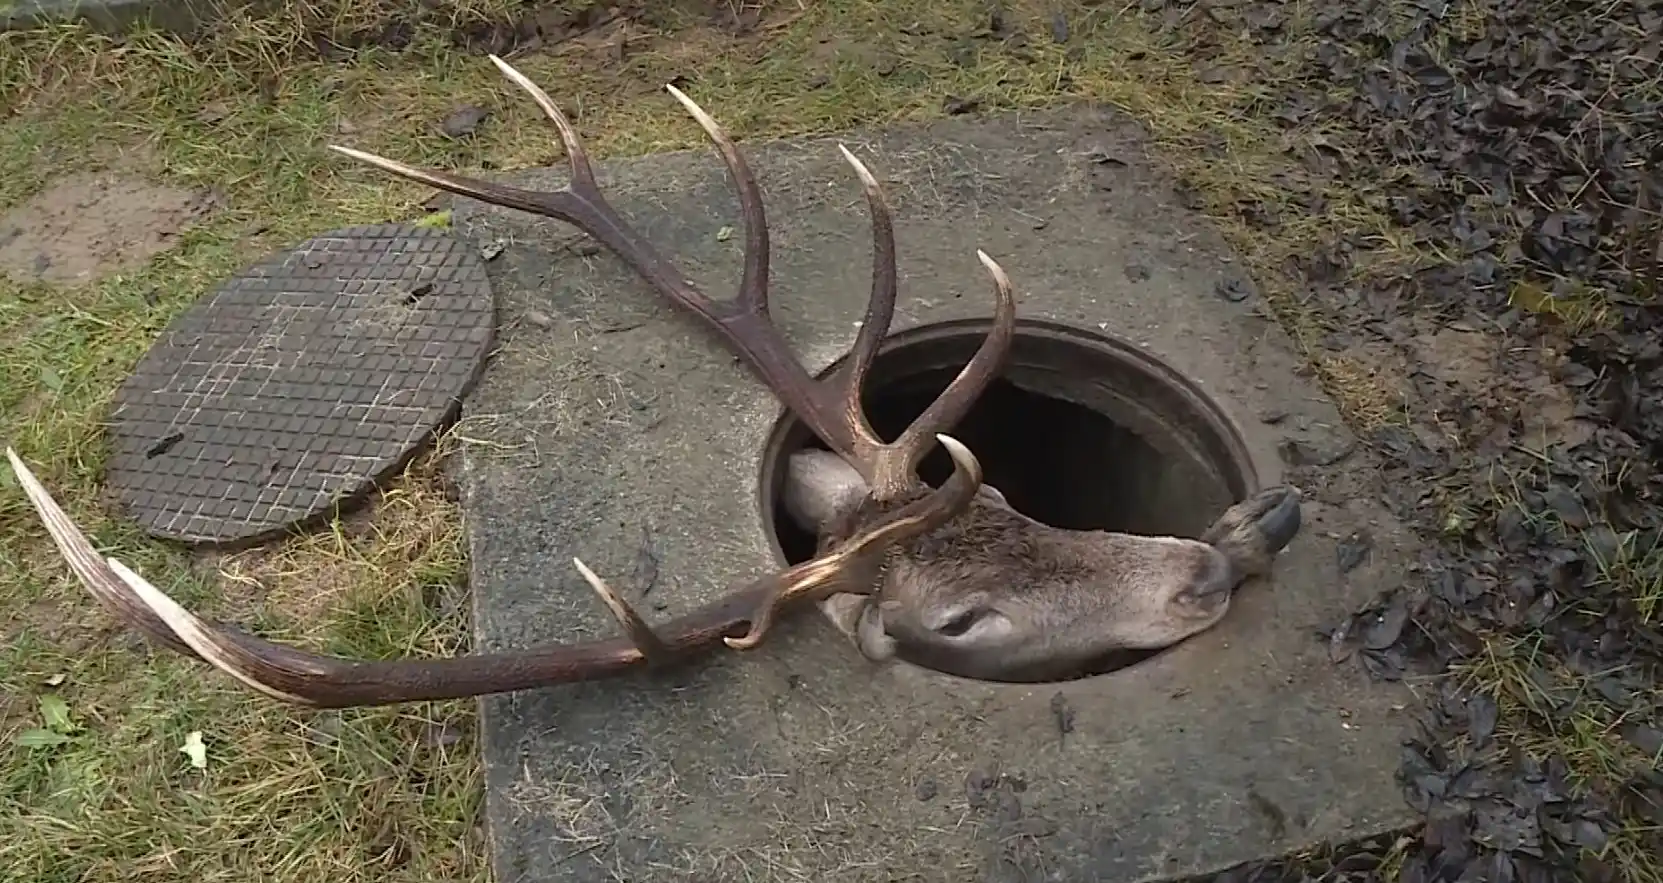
821, 487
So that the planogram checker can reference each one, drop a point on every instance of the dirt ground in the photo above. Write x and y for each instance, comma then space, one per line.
87, 226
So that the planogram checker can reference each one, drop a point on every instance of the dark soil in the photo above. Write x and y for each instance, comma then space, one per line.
1517, 144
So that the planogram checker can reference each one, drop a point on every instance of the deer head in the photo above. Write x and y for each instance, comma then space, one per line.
949, 576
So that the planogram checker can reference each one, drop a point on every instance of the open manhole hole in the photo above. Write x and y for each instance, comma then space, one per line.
1080, 431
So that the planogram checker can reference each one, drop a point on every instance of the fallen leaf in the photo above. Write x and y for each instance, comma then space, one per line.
195, 750
437, 220
1382, 631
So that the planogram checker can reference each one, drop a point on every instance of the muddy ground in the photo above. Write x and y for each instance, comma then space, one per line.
88, 226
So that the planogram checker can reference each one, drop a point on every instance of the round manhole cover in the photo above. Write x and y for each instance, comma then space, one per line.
300, 384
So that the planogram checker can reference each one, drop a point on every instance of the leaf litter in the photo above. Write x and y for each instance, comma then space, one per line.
1513, 150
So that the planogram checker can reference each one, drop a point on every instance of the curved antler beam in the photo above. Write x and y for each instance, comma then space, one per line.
326, 681
831, 408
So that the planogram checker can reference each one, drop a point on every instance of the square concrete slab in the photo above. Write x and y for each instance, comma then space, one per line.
612, 427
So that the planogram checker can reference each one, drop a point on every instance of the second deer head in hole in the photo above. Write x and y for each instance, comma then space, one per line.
950, 577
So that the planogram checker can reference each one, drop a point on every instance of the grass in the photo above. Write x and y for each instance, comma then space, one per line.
1552, 707
104, 790
1547, 709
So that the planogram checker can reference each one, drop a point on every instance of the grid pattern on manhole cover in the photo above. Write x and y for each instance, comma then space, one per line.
299, 384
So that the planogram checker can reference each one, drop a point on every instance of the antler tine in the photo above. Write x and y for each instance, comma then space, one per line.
880, 310
902, 455
85, 561
753, 283
129, 596
888, 468
576, 157
641, 634
317, 680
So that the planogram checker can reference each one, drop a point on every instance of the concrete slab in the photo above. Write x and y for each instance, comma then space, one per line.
612, 427
114, 16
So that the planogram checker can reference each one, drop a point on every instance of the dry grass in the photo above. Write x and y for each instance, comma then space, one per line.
393, 794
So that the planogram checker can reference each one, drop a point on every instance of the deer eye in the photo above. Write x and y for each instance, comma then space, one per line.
958, 625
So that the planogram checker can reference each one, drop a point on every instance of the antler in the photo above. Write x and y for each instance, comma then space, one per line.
832, 407
332, 682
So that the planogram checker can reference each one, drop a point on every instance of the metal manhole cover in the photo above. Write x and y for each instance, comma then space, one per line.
300, 384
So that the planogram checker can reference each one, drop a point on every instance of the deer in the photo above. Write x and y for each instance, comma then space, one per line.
949, 577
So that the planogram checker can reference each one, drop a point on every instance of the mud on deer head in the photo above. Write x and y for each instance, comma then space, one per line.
951, 577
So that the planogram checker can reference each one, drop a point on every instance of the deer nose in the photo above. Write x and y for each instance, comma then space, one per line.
1215, 582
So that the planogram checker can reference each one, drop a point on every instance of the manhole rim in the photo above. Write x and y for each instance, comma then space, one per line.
1212, 410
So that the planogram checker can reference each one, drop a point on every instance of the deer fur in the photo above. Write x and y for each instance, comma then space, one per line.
998, 595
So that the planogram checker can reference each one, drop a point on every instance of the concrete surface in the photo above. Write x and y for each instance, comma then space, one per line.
113, 16
612, 427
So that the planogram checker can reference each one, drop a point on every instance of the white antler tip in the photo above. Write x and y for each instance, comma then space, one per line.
584, 569
705, 120
954, 447
362, 155
691, 105
25, 476
964, 461
595, 582
866, 177
993, 267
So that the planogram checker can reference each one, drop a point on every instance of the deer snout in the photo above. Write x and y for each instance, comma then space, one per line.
1211, 587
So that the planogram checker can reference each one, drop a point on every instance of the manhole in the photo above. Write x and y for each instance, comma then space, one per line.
1081, 431
300, 384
